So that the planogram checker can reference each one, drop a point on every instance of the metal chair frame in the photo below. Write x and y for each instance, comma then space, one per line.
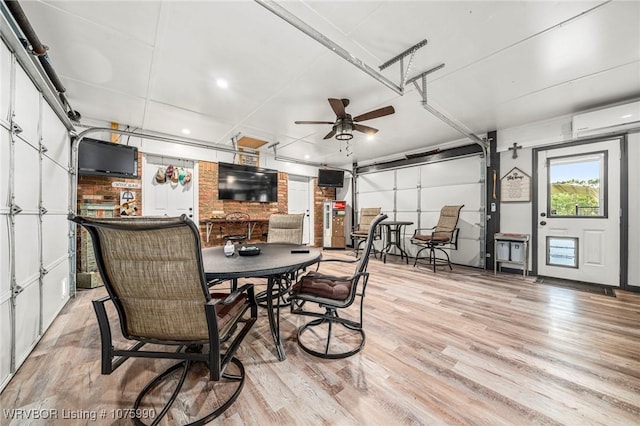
440, 238
188, 352
358, 284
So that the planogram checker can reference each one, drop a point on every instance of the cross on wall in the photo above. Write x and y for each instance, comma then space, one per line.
515, 149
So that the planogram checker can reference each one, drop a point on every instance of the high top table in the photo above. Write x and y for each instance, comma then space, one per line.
393, 231
274, 263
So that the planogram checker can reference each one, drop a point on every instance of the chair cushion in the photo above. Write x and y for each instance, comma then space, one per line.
228, 314
329, 287
428, 238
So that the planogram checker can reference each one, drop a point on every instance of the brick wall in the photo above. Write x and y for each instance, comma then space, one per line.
94, 191
208, 196
208, 203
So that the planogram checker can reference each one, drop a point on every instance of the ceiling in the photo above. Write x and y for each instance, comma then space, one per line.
153, 66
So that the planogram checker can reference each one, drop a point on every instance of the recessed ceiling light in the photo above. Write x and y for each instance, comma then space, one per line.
627, 116
186, 131
307, 156
223, 84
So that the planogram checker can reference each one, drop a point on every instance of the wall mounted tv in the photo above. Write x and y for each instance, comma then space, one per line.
100, 158
247, 183
330, 178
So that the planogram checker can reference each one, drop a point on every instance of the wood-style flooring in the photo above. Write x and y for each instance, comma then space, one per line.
460, 347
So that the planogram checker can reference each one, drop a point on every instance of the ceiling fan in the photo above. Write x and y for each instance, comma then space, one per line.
344, 125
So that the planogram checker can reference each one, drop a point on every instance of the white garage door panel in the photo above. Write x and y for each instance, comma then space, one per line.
407, 178
27, 258
55, 240
5, 82
55, 290
27, 185
463, 170
27, 107
55, 137
27, 324
436, 198
5, 273
55, 190
374, 182
5, 341
407, 200
467, 253
5, 152
469, 224
384, 200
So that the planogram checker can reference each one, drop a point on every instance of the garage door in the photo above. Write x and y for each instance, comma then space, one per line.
34, 231
417, 193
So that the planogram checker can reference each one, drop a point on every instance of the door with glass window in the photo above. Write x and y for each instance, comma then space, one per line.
578, 217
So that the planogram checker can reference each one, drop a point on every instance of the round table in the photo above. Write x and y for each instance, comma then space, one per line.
274, 262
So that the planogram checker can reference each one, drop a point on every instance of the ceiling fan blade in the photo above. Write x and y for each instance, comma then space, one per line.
375, 114
338, 106
314, 122
330, 134
365, 129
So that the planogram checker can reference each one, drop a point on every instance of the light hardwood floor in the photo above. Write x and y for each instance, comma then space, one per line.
461, 347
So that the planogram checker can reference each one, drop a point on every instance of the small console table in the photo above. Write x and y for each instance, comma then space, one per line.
512, 249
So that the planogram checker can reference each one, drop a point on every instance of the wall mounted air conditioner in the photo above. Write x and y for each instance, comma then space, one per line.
608, 120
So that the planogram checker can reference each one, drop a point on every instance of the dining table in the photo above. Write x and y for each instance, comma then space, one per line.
275, 262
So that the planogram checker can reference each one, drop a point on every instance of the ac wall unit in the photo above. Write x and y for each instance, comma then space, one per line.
613, 119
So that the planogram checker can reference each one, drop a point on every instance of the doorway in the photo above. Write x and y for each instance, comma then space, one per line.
577, 212
169, 198
299, 197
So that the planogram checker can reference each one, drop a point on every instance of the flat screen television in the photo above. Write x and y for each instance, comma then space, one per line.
100, 158
247, 183
330, 178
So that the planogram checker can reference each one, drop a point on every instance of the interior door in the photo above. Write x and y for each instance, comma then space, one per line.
578, 219
299, 202
168, 198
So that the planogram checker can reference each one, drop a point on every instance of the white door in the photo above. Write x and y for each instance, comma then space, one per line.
578, 219
168, 198
299, 202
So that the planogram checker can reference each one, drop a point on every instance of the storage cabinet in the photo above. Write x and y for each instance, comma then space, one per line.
511, 249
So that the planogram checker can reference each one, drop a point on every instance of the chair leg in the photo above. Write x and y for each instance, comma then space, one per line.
415, 262
185, 366
331, 317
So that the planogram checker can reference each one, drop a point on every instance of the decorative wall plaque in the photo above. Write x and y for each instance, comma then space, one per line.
515, 187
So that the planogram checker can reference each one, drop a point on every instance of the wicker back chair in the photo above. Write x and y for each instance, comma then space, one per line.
441, 237
361, 232
332, 293
285, 228
152, 270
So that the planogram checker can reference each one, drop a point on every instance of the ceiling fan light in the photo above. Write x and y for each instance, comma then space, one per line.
343, 131
344, 136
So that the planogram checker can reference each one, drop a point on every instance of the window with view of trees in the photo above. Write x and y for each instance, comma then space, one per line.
576, 185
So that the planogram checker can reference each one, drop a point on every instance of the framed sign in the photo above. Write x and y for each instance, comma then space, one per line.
515, 187
249, 160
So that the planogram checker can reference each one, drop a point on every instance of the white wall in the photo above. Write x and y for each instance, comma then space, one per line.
634, 210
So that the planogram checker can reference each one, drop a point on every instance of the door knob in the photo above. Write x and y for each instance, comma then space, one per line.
543, 223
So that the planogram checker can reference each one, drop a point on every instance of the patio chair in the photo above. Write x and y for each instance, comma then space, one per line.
333, 293
442, 237
237, 227
361, 232
153, 273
